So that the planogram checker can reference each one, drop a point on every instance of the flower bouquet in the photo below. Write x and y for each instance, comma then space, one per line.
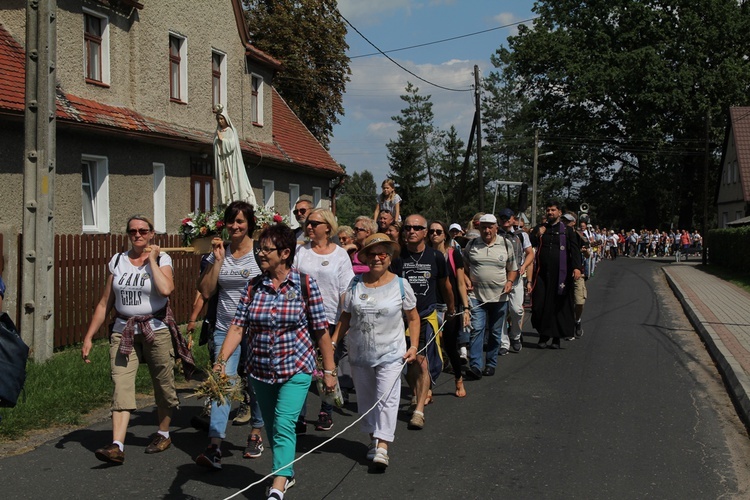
332, 398
264, 217
219, 387
203, 225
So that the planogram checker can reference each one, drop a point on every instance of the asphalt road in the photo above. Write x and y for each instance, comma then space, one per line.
634, 409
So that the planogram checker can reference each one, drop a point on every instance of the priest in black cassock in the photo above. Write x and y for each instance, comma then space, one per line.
557, 265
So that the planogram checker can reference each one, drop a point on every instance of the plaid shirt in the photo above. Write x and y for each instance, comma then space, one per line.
281, 343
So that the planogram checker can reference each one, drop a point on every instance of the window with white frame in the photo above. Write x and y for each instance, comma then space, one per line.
95, 194
95, 47
293, 195
268, 194
219, 77
177, 68
256, 99
317, 196
160, 198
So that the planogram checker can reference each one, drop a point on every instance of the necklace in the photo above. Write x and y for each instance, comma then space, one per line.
416, 261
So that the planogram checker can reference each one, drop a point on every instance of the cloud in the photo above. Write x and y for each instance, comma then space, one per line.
505, 18
368, 12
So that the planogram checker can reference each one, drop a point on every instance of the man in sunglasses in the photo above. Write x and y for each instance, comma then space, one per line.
425, 269
301, 210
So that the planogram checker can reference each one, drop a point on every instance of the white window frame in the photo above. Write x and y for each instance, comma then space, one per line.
104, 47
317, 196
269, 198
223, 81
293, 197
259, 99
100, 194
183, 68
160, 198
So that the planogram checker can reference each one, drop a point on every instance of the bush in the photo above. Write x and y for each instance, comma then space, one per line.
728, 247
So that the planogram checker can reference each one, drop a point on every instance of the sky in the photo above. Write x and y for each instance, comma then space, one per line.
372, 95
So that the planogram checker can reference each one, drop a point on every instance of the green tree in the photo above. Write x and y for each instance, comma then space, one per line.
309, 38
356, 197
620, 91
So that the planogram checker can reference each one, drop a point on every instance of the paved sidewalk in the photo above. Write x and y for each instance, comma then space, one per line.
720, 311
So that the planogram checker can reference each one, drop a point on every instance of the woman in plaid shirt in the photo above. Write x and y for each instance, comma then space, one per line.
283, 315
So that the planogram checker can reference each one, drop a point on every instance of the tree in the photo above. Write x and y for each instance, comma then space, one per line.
309, 38
356, 197
620, 92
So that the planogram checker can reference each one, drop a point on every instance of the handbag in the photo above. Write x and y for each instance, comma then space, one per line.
13, 356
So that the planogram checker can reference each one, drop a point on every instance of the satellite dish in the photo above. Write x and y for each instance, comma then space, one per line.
584, 207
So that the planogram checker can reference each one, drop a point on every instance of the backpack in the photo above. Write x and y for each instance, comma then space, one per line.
13, 356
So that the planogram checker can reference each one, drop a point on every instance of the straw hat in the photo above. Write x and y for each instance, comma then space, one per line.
378, 239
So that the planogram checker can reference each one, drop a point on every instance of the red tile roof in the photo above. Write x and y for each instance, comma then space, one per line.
292, 142
740, 117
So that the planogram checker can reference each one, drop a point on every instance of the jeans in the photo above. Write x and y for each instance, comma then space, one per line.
493, 313
281, 403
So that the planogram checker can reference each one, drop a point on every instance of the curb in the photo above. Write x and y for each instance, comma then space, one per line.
732, 372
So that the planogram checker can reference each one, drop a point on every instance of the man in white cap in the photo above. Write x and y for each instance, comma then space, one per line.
491, 264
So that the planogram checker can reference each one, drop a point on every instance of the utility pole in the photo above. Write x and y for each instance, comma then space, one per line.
478, 118
37, 321
534, 179
706, 162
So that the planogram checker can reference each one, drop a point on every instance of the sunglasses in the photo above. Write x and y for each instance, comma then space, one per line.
414, 228
439, 232
360, 229
301, 211
314, 223
379, 255
141, 231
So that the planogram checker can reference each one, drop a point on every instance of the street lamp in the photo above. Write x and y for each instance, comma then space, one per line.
534, 182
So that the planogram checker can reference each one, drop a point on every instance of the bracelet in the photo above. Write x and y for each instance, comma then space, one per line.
333, 372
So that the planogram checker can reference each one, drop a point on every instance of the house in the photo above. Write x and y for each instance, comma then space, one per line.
137, 81
733, 197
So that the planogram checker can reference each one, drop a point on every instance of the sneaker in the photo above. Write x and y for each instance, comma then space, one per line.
300, 427
502, 352
111, 454
324, 423
274, 494
464, 355
473, 373
243, 415
417, 421
254, 446
516, 346
211, 458
372, 449
489, 371
381, 458
579, 330
158, 444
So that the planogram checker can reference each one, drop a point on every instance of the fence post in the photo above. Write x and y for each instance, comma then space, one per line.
10, 274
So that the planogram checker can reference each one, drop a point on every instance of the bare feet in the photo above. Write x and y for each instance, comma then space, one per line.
460, 391
429, 398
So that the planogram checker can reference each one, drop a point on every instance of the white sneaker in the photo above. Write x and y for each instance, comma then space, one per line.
372, 449
381, 458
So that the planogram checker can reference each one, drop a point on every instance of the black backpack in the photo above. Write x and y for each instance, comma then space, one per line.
13, 356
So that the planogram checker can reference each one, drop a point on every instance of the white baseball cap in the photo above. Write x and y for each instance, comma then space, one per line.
488, 218
455, 226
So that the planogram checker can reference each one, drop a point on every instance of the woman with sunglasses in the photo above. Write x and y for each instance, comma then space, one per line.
138, 287
282, 313
329, 264
372, 319
440, 240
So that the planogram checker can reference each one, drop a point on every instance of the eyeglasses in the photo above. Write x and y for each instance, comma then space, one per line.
413, 228
301, 211
314, 223
360, 229
266, 249
439, 232
379, 255
141, 231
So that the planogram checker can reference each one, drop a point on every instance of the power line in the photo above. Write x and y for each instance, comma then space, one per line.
443, 40
397, 64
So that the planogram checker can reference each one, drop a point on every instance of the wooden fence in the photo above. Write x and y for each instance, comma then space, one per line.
81, 273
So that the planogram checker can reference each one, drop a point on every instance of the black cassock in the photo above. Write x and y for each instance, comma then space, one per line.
552, 314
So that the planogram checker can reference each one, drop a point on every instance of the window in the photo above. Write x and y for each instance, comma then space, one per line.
724, 219
160, 198
268, 190
201, 182
177, 68
256, 99
95, 194
293, 196
317, 197
219, 79
96, 48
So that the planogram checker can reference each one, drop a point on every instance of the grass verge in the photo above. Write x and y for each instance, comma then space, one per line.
742, 280
64, 389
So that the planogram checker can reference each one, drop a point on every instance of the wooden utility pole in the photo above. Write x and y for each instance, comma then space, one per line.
37, 321
478, 127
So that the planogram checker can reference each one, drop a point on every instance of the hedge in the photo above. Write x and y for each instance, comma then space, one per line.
729, 248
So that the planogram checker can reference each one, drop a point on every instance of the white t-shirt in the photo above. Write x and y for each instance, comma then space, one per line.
332, 271
233, 277
134, 294
376, 332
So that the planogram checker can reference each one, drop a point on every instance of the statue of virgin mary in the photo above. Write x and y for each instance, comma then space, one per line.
231, 176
